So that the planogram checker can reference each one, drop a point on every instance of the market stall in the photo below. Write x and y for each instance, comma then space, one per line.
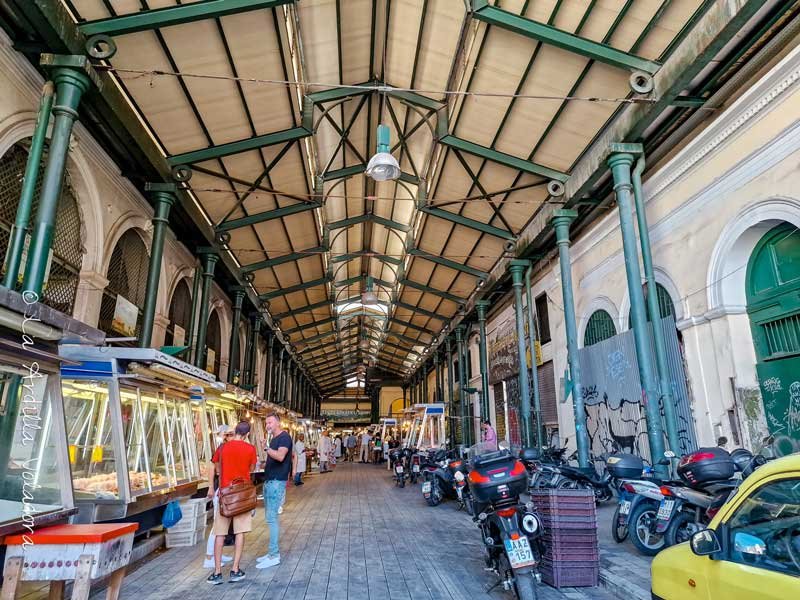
133, 416
427, 428
35, 487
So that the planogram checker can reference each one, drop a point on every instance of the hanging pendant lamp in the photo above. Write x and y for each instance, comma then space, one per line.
383, 166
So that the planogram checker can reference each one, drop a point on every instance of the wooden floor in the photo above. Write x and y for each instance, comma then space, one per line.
349, 534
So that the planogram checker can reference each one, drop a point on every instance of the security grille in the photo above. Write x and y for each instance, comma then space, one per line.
180, 312
782, 336
68, 250
127, 277
665, 306
214, 339
600, 327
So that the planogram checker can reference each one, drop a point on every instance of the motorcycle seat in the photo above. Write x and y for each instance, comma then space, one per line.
530, 454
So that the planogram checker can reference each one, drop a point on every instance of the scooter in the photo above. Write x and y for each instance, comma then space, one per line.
575, 478
510, 530
397, 459
438, 479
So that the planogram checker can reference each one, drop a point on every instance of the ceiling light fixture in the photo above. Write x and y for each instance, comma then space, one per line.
368, 296
383, 166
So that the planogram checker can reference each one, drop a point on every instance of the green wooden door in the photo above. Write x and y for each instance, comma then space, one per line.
773, 304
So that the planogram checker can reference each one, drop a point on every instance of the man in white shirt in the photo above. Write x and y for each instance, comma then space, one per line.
366, 438
324, 448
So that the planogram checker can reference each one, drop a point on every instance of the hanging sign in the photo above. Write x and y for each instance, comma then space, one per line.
211, 357
126, 313
503, 352
178, 335
346, 415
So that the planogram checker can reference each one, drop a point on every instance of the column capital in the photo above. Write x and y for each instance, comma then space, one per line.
517, 268
620, 158
480, 307
238, 297
563, 217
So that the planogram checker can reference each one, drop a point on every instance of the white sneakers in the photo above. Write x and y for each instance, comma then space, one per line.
267, 561
280, 510
208, 563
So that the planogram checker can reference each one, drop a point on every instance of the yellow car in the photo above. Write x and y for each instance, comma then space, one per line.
751, 549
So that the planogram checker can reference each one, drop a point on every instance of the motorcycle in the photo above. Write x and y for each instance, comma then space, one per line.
543, 465
415, 463
576, 478
438, 479
398, 462
510, 530
458, 469
709, 478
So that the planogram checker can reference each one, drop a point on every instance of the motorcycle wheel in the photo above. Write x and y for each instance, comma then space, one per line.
681, 529
469, 506
639, 521
435, 498
525, 586
402, 482
567, 484
618, 532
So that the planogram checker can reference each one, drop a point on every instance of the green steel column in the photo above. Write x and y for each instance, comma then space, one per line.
620, 164
462, 373
480, 307
163, 199
425, 395
670, 418
248, 349
16, 242
437, 391
279, 399
537, 403
517, 267
233, 350
255, 333
189, 341
71, 83
450, 393
561, 222
268, 392
209, 263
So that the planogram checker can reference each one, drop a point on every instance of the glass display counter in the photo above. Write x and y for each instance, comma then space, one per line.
35, 487
132, 421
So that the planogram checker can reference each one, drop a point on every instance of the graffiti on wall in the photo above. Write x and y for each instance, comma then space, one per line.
612, 395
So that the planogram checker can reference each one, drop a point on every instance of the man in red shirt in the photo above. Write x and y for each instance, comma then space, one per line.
235, 459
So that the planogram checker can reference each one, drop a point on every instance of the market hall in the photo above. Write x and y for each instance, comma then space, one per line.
537, 240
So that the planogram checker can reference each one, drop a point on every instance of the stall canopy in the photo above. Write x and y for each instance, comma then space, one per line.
497, 113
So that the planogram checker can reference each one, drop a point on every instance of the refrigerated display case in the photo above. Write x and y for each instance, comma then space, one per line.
35, 487
132, 421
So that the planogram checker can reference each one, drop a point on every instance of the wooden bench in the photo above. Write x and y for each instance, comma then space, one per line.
79, 553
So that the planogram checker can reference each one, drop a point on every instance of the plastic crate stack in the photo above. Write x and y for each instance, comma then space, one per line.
191, 529
571, 556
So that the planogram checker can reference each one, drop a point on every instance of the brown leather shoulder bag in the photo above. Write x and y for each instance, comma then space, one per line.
236, 498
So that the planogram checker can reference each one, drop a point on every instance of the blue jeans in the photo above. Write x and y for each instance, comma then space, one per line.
274, 493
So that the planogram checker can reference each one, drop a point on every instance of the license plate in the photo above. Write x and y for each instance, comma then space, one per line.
398, 469
665, 510
624, 507
426, 487
415, 468
519, 553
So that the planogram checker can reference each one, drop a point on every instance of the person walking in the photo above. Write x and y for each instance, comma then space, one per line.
337, 448
377, 450
224, 434
299, 459
366, 438
235, 459
351, 447
276, 473
325, 448
488, 435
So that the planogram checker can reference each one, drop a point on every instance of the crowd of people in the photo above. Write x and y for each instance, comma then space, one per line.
230, 482
233, 495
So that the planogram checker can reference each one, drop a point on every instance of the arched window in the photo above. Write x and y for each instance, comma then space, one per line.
213, 342
180, 315
665, 306
62, 280
600, 327
127, 278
